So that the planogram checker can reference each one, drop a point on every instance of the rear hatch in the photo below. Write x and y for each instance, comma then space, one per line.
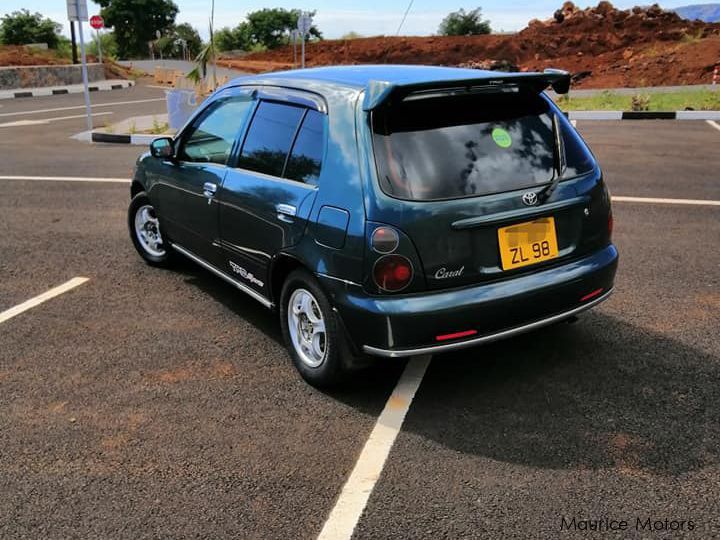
487, 181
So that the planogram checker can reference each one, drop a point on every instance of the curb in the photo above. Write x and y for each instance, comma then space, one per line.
643, 115
141, 139
99, 86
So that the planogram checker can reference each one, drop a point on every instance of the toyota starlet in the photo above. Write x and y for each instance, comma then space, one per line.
384, 211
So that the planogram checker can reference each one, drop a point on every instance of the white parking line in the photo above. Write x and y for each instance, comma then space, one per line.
356, 492
655, 200
66, 179
40, 111
714, 124
52, 293
44, 121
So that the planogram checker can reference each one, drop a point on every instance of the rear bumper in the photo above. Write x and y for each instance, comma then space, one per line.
406, 325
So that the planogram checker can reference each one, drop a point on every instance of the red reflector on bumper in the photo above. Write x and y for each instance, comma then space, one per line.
456, 335
593, 294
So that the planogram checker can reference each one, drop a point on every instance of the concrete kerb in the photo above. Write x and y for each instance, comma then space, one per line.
644, 115
99, 86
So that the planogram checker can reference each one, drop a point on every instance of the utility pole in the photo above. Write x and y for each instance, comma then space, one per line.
73, 44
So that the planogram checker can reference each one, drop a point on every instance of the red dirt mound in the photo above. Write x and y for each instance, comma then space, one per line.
11, 55
605, 47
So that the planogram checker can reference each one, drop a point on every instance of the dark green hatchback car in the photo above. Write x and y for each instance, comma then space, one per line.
384, 211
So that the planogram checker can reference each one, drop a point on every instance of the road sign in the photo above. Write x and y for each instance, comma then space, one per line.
97, 22
304, 23
77, 10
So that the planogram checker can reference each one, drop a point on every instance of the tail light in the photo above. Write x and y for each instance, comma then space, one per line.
611, 223
392, 273
384, 240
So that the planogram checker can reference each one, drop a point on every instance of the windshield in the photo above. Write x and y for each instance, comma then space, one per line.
451, 147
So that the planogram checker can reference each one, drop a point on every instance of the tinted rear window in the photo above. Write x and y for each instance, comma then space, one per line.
443, 148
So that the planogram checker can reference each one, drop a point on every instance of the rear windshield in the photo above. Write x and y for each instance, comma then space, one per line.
451, 147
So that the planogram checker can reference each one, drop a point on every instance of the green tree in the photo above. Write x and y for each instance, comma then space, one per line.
170, 45
191, 36
462, 23
135, 22
271, 27
22, 27
235, 39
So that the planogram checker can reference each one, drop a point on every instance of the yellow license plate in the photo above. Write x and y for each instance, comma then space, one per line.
527, 243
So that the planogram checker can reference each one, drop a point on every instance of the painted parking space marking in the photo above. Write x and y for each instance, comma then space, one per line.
359, 486
66, 179
655, 200
75, 107
44, 297
45, 121
714, 124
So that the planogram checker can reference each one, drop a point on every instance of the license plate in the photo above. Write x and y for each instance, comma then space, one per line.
528, 243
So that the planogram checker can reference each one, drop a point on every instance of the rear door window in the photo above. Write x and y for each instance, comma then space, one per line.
452, 147
306, 157
270, 138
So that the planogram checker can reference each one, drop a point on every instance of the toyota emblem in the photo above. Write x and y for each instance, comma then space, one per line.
530, 198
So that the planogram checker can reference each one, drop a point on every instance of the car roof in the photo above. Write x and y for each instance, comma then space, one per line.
360, 76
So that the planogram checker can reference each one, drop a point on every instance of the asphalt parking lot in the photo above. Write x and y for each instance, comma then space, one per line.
154, 403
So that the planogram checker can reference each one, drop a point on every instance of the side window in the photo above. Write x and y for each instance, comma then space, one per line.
211, 140
270, 137
306, 156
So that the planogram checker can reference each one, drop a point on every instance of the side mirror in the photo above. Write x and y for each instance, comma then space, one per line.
162, 148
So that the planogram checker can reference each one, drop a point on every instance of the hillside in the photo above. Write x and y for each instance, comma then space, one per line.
703, 12
602, 46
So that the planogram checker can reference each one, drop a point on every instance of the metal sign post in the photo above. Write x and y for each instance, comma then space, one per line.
303, 25
77, 11
97, 22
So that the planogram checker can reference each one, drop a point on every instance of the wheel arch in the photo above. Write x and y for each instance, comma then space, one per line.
135, 188
280, 269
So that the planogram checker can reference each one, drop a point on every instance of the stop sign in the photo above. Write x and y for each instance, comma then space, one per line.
96, 21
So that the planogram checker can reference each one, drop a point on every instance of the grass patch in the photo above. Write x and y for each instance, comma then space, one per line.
699, 100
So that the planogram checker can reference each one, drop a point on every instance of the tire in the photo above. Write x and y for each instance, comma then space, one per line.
145, 232
324, 365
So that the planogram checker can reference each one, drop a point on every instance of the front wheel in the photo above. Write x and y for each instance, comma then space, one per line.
311, 331
145, 231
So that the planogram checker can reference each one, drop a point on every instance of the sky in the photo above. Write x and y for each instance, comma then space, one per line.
337, 17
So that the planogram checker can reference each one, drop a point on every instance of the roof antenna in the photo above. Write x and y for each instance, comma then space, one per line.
397, 33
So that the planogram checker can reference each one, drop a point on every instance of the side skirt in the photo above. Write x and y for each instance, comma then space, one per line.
244, 288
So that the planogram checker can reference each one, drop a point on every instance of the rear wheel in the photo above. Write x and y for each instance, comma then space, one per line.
145, 231
311, 331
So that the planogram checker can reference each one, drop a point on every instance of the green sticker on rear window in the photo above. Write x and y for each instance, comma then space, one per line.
501, 138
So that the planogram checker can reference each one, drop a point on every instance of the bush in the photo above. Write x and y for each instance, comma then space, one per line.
462, 23
641, 102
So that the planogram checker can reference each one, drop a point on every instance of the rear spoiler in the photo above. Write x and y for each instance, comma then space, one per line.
379, 92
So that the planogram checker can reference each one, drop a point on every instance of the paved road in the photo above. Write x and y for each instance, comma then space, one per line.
156, 403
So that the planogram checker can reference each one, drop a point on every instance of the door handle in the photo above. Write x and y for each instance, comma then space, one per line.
286, 212
209, 190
